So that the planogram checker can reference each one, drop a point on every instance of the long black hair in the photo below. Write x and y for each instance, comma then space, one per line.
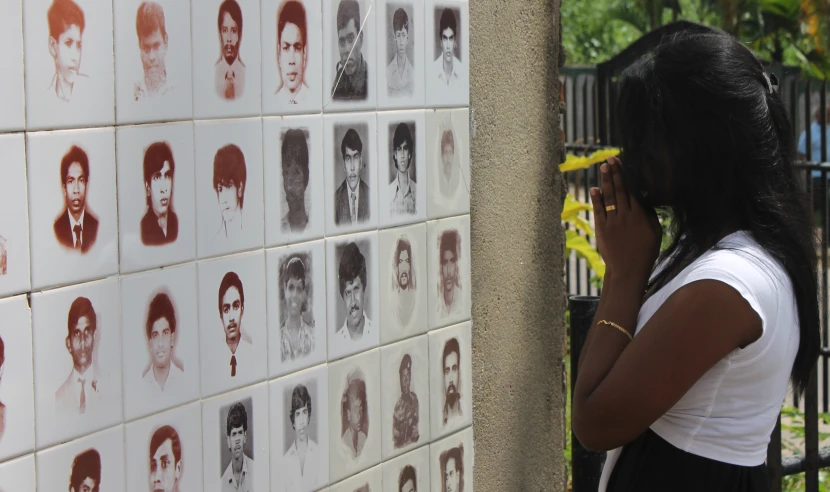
705, 135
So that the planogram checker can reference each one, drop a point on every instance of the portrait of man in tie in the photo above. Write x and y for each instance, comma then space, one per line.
81, 390
229, 69
351, 199
231, 309
76, 228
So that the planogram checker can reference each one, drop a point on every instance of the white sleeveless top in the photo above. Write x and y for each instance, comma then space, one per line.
729, 413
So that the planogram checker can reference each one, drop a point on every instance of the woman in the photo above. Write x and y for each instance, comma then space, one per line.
296, 335
729, 316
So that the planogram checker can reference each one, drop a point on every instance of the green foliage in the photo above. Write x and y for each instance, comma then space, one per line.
792, 422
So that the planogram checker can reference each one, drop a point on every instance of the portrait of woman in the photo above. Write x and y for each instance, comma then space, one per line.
297, 326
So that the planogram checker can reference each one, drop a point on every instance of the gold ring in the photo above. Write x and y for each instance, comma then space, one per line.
610, 208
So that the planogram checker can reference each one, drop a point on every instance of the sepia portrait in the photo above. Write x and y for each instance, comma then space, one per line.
166, 465
76, 228
408, 480
91, 463
295, 166
297, 334
229, 69
449, 264
292, 53
86, 472
452, 469
403, 277
450, 298
66, 29
12, 111
405, 283
405, 399
450, 379
370, 480
82, 389
408, 472
160, 224
352, 197
17, 424
449, 170
236, 442
231, 307
352, 280
229, 179
354, 414
352, 72
165, 372
405, 415
450, 368
400, 50
14, 227
153, 43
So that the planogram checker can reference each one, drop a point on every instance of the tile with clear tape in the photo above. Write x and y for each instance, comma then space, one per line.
14, 222
352, 293
450, 379
369, 481
400, 53
17, 399
12, 111
447, 52
232, 314
292, 62
226, 58
161, 349
354, 414
451, 462
230, 212
408, 473
349, 61
153, 76
93, 462
405, 396
72, 194
296, 280
402, 186
448, 241
76, 334
172, 438
70, 80
448, 162
350, 168
236, 441
403, 280
303, 435
156, 203
295, 205
18, 474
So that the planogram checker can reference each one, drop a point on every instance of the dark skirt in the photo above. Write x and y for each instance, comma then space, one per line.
650, 463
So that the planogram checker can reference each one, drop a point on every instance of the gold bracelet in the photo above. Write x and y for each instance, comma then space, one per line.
615, 325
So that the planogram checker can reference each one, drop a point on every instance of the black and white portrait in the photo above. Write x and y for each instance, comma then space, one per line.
400, 53
451, 463
354, 422
237, 436
349, 36
401, 190
17, 416
11, 85
450, 379
401, 150
452, 469
297, 337
408, 472
14, 223
403, 277
296, 169
89, 464
449, 262
351, 172
353, 283
448, 77
405, 400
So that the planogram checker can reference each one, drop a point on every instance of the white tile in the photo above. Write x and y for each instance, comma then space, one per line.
450, 379
369, 481
447, 52
400, 54
349, 70
18, 474
403, 281
405, 395
452, 461
14, 223
12, 114
17, 399
95, 461
448, 163
449, 271
402, 184
408, 473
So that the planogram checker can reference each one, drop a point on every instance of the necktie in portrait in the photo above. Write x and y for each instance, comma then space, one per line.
82, 381
77, 230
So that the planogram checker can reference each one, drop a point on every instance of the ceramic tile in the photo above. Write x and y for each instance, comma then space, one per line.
400, 53
17, 399
235, 434
405, 395
156, 203
69, 64
448, 242
14, 222
401, 167
452, 461
226, 58
450, 379
296, 278
349, 56
352, 294
229, 203
71, 175
403, 282
408, 473
303, 435
160, 352
351, 172
94, 462
369, 481
173, 438
448, 162
292, 59
232, 318
293, 164
354, 414
18, 474
447, 52
77, 360
153, 80
12, 114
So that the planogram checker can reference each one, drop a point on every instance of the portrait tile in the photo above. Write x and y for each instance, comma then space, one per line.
12, 112
292, 57
296, 280
370, 480
352, 294
447, 53
295, 207
349, 71
156, 202
405, 404
70, 80
14, 218
448, 162
449, 271
408, 473
173, 438
453, 454
351, 173
400, 54
300, 430
235, 434
95, 461
153, 76
72, 194
230, 212
226, 58
450, 379
354, 414
18, 474
403, 282
76, 334
232, 316
401, 167
17, 399
161, 349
